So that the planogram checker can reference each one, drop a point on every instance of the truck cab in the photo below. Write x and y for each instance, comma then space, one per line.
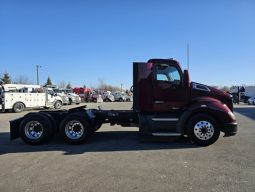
171, 104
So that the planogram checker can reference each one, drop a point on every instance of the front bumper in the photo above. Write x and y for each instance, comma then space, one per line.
230, 129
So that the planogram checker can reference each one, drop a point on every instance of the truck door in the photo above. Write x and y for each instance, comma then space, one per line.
169, 91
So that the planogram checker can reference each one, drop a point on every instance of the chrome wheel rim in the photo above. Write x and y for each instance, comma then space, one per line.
204, 130
74, 129
33, 130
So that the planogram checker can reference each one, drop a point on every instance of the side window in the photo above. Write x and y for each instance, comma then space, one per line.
162, 77
168, 73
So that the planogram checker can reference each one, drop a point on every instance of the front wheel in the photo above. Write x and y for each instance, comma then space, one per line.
107, 100
203, 129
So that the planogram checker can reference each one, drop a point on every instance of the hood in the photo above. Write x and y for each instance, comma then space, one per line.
200, 90
73, 94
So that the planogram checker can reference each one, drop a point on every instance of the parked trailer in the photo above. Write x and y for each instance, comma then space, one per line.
165, 103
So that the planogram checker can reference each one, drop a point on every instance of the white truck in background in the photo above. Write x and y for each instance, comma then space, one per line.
73, 97
59, 93
18, 97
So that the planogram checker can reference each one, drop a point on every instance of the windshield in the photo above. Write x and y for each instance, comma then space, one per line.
57, 91
69, 91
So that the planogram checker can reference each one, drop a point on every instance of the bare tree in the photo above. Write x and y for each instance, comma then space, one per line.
102, 85
225, 88
22, 79
62, 84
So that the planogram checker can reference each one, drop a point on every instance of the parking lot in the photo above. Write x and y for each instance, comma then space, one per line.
115, 159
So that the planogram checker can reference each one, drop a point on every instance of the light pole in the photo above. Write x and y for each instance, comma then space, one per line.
121, 87
37, 73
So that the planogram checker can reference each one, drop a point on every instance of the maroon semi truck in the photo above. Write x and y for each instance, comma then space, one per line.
165, 103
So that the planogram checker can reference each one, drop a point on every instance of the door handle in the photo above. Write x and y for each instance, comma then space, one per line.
159, 102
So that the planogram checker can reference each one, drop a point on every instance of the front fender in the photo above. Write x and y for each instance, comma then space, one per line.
212, 107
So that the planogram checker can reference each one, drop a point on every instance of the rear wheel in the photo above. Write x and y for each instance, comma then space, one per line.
74, 129
203, 129
35, 129
18, 107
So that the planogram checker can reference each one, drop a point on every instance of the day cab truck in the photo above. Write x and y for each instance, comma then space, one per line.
165, 103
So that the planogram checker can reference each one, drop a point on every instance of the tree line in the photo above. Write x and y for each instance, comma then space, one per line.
5, 78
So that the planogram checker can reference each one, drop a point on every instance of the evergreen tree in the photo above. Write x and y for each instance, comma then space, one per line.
6, 78
48, 81
69, 86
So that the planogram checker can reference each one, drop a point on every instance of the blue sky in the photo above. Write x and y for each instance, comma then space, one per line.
82, 41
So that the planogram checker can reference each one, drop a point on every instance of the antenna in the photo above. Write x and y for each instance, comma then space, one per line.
188, 56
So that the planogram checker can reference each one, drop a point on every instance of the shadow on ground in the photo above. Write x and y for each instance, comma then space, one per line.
99, 142
246, 111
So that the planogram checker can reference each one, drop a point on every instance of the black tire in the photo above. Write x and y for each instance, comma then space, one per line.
18, 107
94, 100
58, 104
54, 125
128, 100
77, 122
121, 100
107, 100
203, 129
39, 123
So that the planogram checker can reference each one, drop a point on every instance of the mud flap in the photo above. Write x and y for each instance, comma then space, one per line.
14, 128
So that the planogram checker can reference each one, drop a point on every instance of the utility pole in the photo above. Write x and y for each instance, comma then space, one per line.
188, 56
37, 73
121, 87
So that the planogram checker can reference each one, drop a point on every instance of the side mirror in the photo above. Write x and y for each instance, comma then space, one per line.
186, 79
